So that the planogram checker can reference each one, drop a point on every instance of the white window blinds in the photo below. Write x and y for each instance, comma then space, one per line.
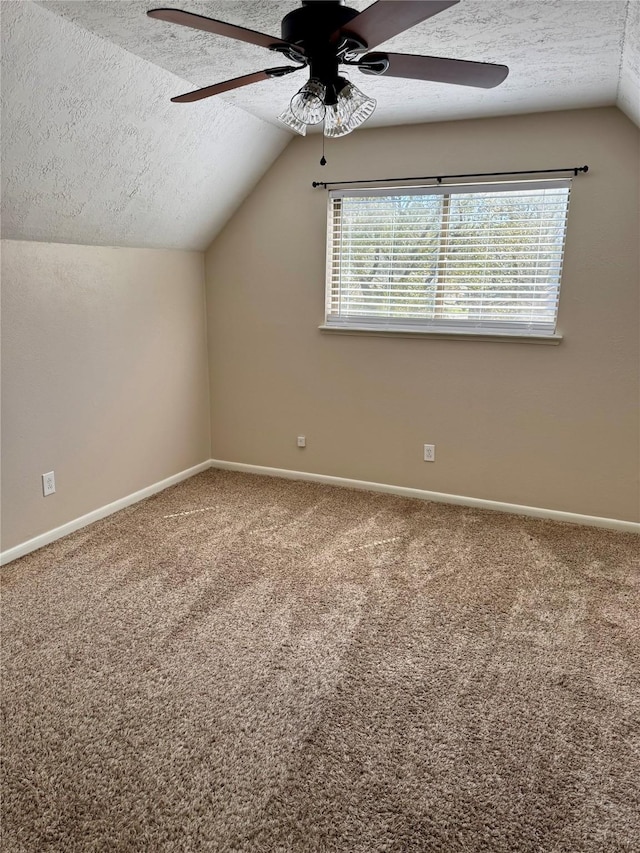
484, 258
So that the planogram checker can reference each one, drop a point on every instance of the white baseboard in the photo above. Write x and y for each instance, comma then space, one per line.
403, 491
102, 512
439, 497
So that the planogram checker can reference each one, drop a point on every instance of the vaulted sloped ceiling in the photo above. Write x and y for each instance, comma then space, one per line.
629, 88
94, 152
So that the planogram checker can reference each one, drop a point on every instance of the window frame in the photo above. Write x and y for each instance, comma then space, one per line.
442, 328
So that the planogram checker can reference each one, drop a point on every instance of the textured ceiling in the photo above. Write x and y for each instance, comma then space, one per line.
629, 89
94, 152
563, 54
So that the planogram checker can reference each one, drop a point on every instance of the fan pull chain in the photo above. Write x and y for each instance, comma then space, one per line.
323, 161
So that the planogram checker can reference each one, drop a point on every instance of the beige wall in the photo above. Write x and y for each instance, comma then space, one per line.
548, 426
104, 377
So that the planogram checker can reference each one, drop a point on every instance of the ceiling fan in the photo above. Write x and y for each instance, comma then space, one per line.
324, 34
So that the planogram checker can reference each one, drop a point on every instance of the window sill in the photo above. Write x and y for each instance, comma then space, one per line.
549, 340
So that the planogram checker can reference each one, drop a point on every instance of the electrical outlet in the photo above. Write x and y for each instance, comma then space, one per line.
429, 453
48, 484
302, 441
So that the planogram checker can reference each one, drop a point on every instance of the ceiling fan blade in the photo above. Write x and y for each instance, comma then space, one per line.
387, 18
483, 75
236, 83
220, 28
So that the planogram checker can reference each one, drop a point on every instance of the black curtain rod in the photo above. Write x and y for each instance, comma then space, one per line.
440, 178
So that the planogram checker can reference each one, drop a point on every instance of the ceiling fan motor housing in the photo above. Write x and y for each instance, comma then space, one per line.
311, 26
315, 21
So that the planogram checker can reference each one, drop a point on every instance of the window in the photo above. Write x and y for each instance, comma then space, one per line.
482, 259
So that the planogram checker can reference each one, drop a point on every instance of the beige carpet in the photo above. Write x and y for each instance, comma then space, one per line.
249, 664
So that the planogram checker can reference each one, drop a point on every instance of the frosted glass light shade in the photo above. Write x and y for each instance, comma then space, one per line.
292, 122
356, 106
307, 105
336, 122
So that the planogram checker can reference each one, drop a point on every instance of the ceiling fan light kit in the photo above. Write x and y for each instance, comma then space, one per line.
324, 34
341, 105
